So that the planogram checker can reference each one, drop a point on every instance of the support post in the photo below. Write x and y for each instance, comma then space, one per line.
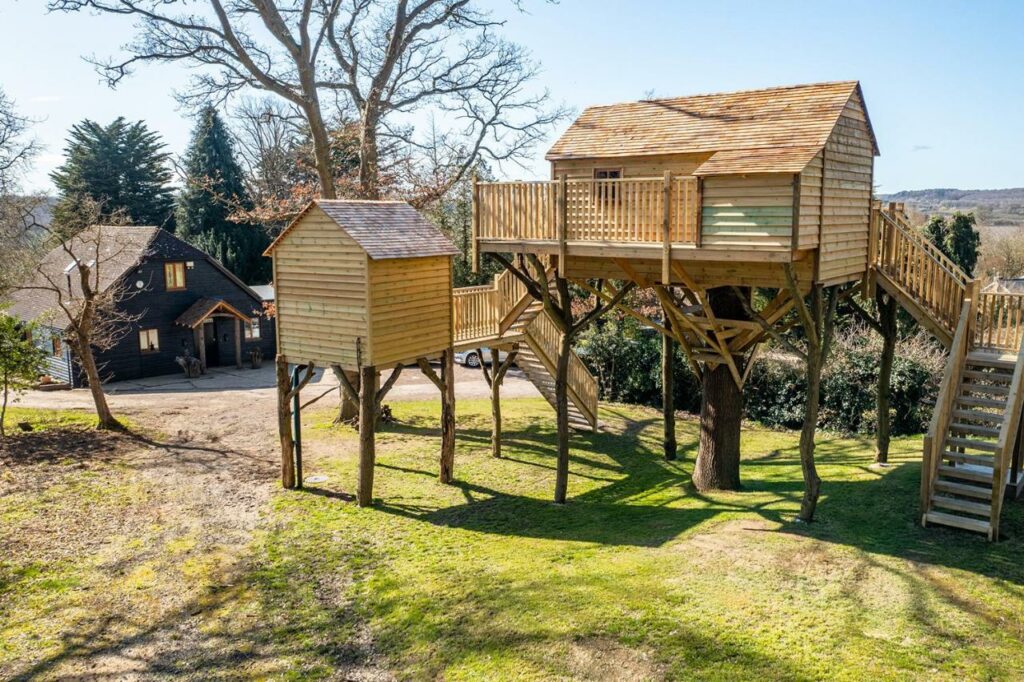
296, 425
887, 323
238, 343
201, 342
475, 225
668, 405
367, 441
284, 426
447, 467
666, 230
560, 226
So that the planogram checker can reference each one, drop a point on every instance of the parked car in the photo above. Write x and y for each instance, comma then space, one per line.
470, 358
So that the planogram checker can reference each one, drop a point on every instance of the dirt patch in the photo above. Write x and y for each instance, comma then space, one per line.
601, 659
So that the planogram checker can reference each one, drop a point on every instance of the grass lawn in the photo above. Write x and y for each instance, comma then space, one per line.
638, 577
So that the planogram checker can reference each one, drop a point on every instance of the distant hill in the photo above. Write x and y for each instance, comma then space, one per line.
1000, 208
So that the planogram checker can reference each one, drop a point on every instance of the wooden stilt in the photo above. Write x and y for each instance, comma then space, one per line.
296, 392
447, 468
668, 405
238, 343
367, 440
201, 342
284, 425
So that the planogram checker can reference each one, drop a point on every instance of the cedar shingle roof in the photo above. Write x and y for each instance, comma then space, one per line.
116, 249
384, 229
796, 116
203, 308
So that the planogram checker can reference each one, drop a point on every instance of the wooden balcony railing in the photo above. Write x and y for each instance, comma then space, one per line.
1000, 321
639, 211
476, 313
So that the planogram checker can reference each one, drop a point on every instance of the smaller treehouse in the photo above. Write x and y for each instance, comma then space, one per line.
360, 286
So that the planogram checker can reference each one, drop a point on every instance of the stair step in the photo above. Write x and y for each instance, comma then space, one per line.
976, 508
964, 489
965, 474
979, 416
971, 444
975, 429
989, 389
989, 359
955, 521
980, 460
980, 402
999, 377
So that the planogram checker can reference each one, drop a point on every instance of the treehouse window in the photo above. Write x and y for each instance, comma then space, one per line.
252, 329
607, 190
149, 340
174, 276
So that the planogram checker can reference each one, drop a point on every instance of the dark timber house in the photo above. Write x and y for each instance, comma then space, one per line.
183, 302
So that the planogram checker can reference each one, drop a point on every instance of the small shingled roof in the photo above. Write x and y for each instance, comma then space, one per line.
799, 116
203, 308
384, 229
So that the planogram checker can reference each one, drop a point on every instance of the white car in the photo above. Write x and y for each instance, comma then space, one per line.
469, 358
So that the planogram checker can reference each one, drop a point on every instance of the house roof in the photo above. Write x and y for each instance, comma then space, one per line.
799, 116
384, 229
116, 250
1013, 285
264, 291
203, 308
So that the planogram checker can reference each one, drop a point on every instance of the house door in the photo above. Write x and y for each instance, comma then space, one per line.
210, 341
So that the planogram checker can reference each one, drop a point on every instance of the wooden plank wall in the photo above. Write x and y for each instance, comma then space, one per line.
848, 167
810, 204
410, 308
653, 166
748, 211
707, 273
320, 285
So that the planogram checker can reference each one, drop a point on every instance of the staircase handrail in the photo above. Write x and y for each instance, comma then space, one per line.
951, 268
1007, 439
582, 384
934, 440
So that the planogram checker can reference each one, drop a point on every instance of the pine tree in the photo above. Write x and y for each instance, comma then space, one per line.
121, 166
214, 188
962, 241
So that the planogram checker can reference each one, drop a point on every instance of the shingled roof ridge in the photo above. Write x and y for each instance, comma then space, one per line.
721, 93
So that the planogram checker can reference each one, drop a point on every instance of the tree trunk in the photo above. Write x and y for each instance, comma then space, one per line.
3, 409
812, 483
668, 406
495, 403
348, 411
284, 424
887, 321
562, 418
369, 180
321, 150
99, 398
447, 468
367, 440
721, 410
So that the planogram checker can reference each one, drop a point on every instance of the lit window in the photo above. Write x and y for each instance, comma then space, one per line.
174, 276
58, 347
252, 329
149, 340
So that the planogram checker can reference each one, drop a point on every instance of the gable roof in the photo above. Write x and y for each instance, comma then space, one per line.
800, 116
384, 229
203, 308
118, 249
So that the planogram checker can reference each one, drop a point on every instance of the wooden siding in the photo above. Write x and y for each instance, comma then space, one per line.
653, 166
846, 206
810, 204
708, 274
410, 308
748, 211
321, 293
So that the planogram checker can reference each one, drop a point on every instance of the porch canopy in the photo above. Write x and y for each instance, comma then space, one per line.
202, 310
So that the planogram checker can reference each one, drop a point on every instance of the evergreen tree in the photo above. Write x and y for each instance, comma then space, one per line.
963, 241
121, 166
214, 189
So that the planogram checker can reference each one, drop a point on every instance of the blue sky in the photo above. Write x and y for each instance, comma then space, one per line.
942, 80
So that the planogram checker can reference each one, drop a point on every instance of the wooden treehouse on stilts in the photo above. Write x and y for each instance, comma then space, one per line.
700, 199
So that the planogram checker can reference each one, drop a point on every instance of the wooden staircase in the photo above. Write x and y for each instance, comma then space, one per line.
504, 314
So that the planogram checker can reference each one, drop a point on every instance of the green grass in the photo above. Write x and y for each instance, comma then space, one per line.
639, 576
47, 419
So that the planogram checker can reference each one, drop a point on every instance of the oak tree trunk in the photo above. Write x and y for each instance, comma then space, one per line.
812, 483
348, 411
321, 150
668, 406
887, 321
495, 403
367, 439
369, 172
721, 409
447, 468
562, 418
284, 424
105, 417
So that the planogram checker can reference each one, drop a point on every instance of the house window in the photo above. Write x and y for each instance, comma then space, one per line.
149, 340
607, 191
174, 276
57, 347
252, 329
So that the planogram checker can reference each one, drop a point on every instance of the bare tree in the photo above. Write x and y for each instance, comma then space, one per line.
18, 212
377, 60
267, 132
82, 283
